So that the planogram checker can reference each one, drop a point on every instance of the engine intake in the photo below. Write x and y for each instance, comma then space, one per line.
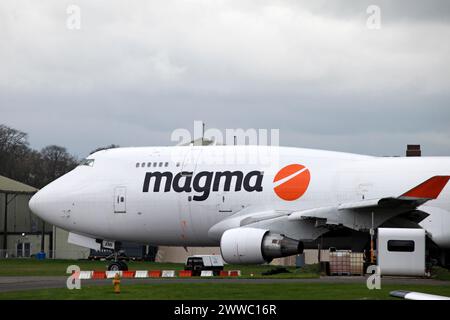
255, 246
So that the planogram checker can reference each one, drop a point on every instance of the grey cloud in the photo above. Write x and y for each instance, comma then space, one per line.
392, 11
135, 72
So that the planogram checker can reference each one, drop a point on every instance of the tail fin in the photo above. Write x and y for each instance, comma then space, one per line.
429, 189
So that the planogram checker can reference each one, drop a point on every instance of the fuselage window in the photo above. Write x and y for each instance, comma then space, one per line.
178, 164
401, 245
149, 164
155, 164
166, 164
87, 162
137, 165
160, 164
143, 164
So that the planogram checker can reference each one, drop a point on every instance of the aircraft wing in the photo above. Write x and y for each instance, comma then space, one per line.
412, 295
428, 190
355, 214
246, 217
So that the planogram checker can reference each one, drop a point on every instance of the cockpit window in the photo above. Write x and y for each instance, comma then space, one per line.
87, 162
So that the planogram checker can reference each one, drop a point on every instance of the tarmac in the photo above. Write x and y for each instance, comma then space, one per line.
16, 283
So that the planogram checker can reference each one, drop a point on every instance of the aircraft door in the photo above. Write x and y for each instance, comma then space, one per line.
188, 168
120, 200
223, 203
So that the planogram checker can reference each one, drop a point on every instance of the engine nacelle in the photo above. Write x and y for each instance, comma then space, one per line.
255, 246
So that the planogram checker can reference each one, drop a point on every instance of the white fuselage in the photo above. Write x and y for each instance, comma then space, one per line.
106, 198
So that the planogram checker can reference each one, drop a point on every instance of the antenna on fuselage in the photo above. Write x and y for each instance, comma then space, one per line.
203, 133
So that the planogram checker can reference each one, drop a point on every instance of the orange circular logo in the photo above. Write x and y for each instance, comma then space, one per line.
291, 182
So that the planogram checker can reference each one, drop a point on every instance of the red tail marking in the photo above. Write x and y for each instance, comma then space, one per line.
429, 189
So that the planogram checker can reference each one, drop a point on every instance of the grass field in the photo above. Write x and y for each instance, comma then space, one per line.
226, 291
32, 267
216, 291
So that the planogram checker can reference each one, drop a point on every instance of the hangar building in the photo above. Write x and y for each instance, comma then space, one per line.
23, 234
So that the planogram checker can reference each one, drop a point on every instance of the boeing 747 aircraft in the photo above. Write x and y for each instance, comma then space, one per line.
256, 202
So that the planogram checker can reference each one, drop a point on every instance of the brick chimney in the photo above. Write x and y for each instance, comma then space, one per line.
413, 150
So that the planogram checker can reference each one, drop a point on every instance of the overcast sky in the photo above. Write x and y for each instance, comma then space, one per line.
137, 70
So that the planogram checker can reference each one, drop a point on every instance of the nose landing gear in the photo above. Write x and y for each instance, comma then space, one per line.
117, 266
117, 256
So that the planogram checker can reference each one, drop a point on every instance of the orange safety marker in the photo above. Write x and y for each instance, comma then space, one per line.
224, 273
116, 283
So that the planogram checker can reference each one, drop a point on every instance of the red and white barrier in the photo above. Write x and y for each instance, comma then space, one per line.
206, 273
98, 275
154, 274
128, 274
168, 274
142, 274
112, 274
85, 275
184, 273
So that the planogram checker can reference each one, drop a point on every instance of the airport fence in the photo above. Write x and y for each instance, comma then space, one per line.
49, 254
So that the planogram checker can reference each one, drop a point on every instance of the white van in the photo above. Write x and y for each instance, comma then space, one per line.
401, 251
197, 263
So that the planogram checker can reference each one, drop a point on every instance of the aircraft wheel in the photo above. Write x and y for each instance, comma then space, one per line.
115, 266
124, 266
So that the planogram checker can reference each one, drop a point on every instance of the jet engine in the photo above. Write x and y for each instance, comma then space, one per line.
254, 246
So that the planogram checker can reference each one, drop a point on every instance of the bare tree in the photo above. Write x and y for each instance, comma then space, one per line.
13, 148
57, 162
11, 139
19, 162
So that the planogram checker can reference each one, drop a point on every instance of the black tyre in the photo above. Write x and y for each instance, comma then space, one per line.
115, 266
124, 266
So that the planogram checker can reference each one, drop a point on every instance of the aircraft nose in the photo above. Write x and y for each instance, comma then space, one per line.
56, 201
44, 205
37, 205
